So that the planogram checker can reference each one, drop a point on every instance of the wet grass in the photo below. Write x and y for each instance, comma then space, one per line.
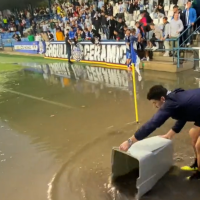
9, 67
5, 58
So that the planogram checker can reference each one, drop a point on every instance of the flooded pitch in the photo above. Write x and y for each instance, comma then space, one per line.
60, 122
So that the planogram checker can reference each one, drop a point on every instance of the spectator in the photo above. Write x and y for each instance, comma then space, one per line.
158, 15
166, 33
157, 35
52, 24
130, 9
34, 27
59, 35
180, 13
88, 23
120, 10
112, 26
104, 25
88, 35
38, 37
119, 30
176, 26
68, 43
96, 22
31, 37
71, 34
160, 9
190, 18
50, 36
109, 10
100, 4
44, 27
16, 37
96, 37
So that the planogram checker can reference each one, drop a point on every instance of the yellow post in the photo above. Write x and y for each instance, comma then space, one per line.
135, 93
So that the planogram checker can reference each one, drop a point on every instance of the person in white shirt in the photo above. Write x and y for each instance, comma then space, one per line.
100, 4
38, 37
121, 10
166, 33
176, 26
88, 23
45, 28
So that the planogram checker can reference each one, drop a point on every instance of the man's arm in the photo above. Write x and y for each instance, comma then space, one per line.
155, 122
194, 16
181, 26
178, 126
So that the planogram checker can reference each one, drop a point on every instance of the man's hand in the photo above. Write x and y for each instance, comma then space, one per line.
162, 39
124, 146
192, 24
169, 135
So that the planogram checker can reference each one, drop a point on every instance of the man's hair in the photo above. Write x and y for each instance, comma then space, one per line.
152, 24
175, 6
156, 92
165, 18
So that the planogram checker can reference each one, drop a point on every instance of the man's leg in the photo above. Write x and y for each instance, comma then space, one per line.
197, 146
194, 135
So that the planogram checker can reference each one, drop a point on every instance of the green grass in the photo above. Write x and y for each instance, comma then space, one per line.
9, 67
5, 58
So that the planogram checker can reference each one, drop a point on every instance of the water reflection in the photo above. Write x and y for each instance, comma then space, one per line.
80, 139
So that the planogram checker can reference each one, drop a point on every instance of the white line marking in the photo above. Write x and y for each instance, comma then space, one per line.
39, 99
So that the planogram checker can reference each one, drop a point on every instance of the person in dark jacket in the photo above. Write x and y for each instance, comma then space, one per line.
130, 10
119, 31
182, 105
104, 25
68, 43
109, 10
96, 21
111, 26
96, 37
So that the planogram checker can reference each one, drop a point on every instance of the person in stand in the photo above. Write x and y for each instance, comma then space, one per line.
96, 37
130, 10
111, 26
110, 10
50, 36
16, 37
166, 33
181, 105
59, 35
68, 43
96, 22
119, 30
104, 25
190, 18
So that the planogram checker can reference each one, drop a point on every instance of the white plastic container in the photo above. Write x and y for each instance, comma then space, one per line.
151, 158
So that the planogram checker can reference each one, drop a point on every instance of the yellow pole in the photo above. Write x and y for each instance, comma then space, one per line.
135, 93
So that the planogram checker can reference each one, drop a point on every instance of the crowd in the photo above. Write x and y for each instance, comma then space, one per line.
84, 21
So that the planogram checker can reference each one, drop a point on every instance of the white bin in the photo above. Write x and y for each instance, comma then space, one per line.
150, 158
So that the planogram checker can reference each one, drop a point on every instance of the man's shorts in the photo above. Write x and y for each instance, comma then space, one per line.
128, 55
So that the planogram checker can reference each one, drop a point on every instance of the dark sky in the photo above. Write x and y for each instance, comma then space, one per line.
6, 4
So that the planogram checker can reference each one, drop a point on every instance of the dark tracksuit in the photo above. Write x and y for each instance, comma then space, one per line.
182, 105
68, 45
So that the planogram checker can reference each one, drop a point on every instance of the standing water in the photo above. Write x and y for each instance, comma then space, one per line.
59, 123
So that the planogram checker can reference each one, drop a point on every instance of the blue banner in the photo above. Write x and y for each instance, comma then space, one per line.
27, 47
